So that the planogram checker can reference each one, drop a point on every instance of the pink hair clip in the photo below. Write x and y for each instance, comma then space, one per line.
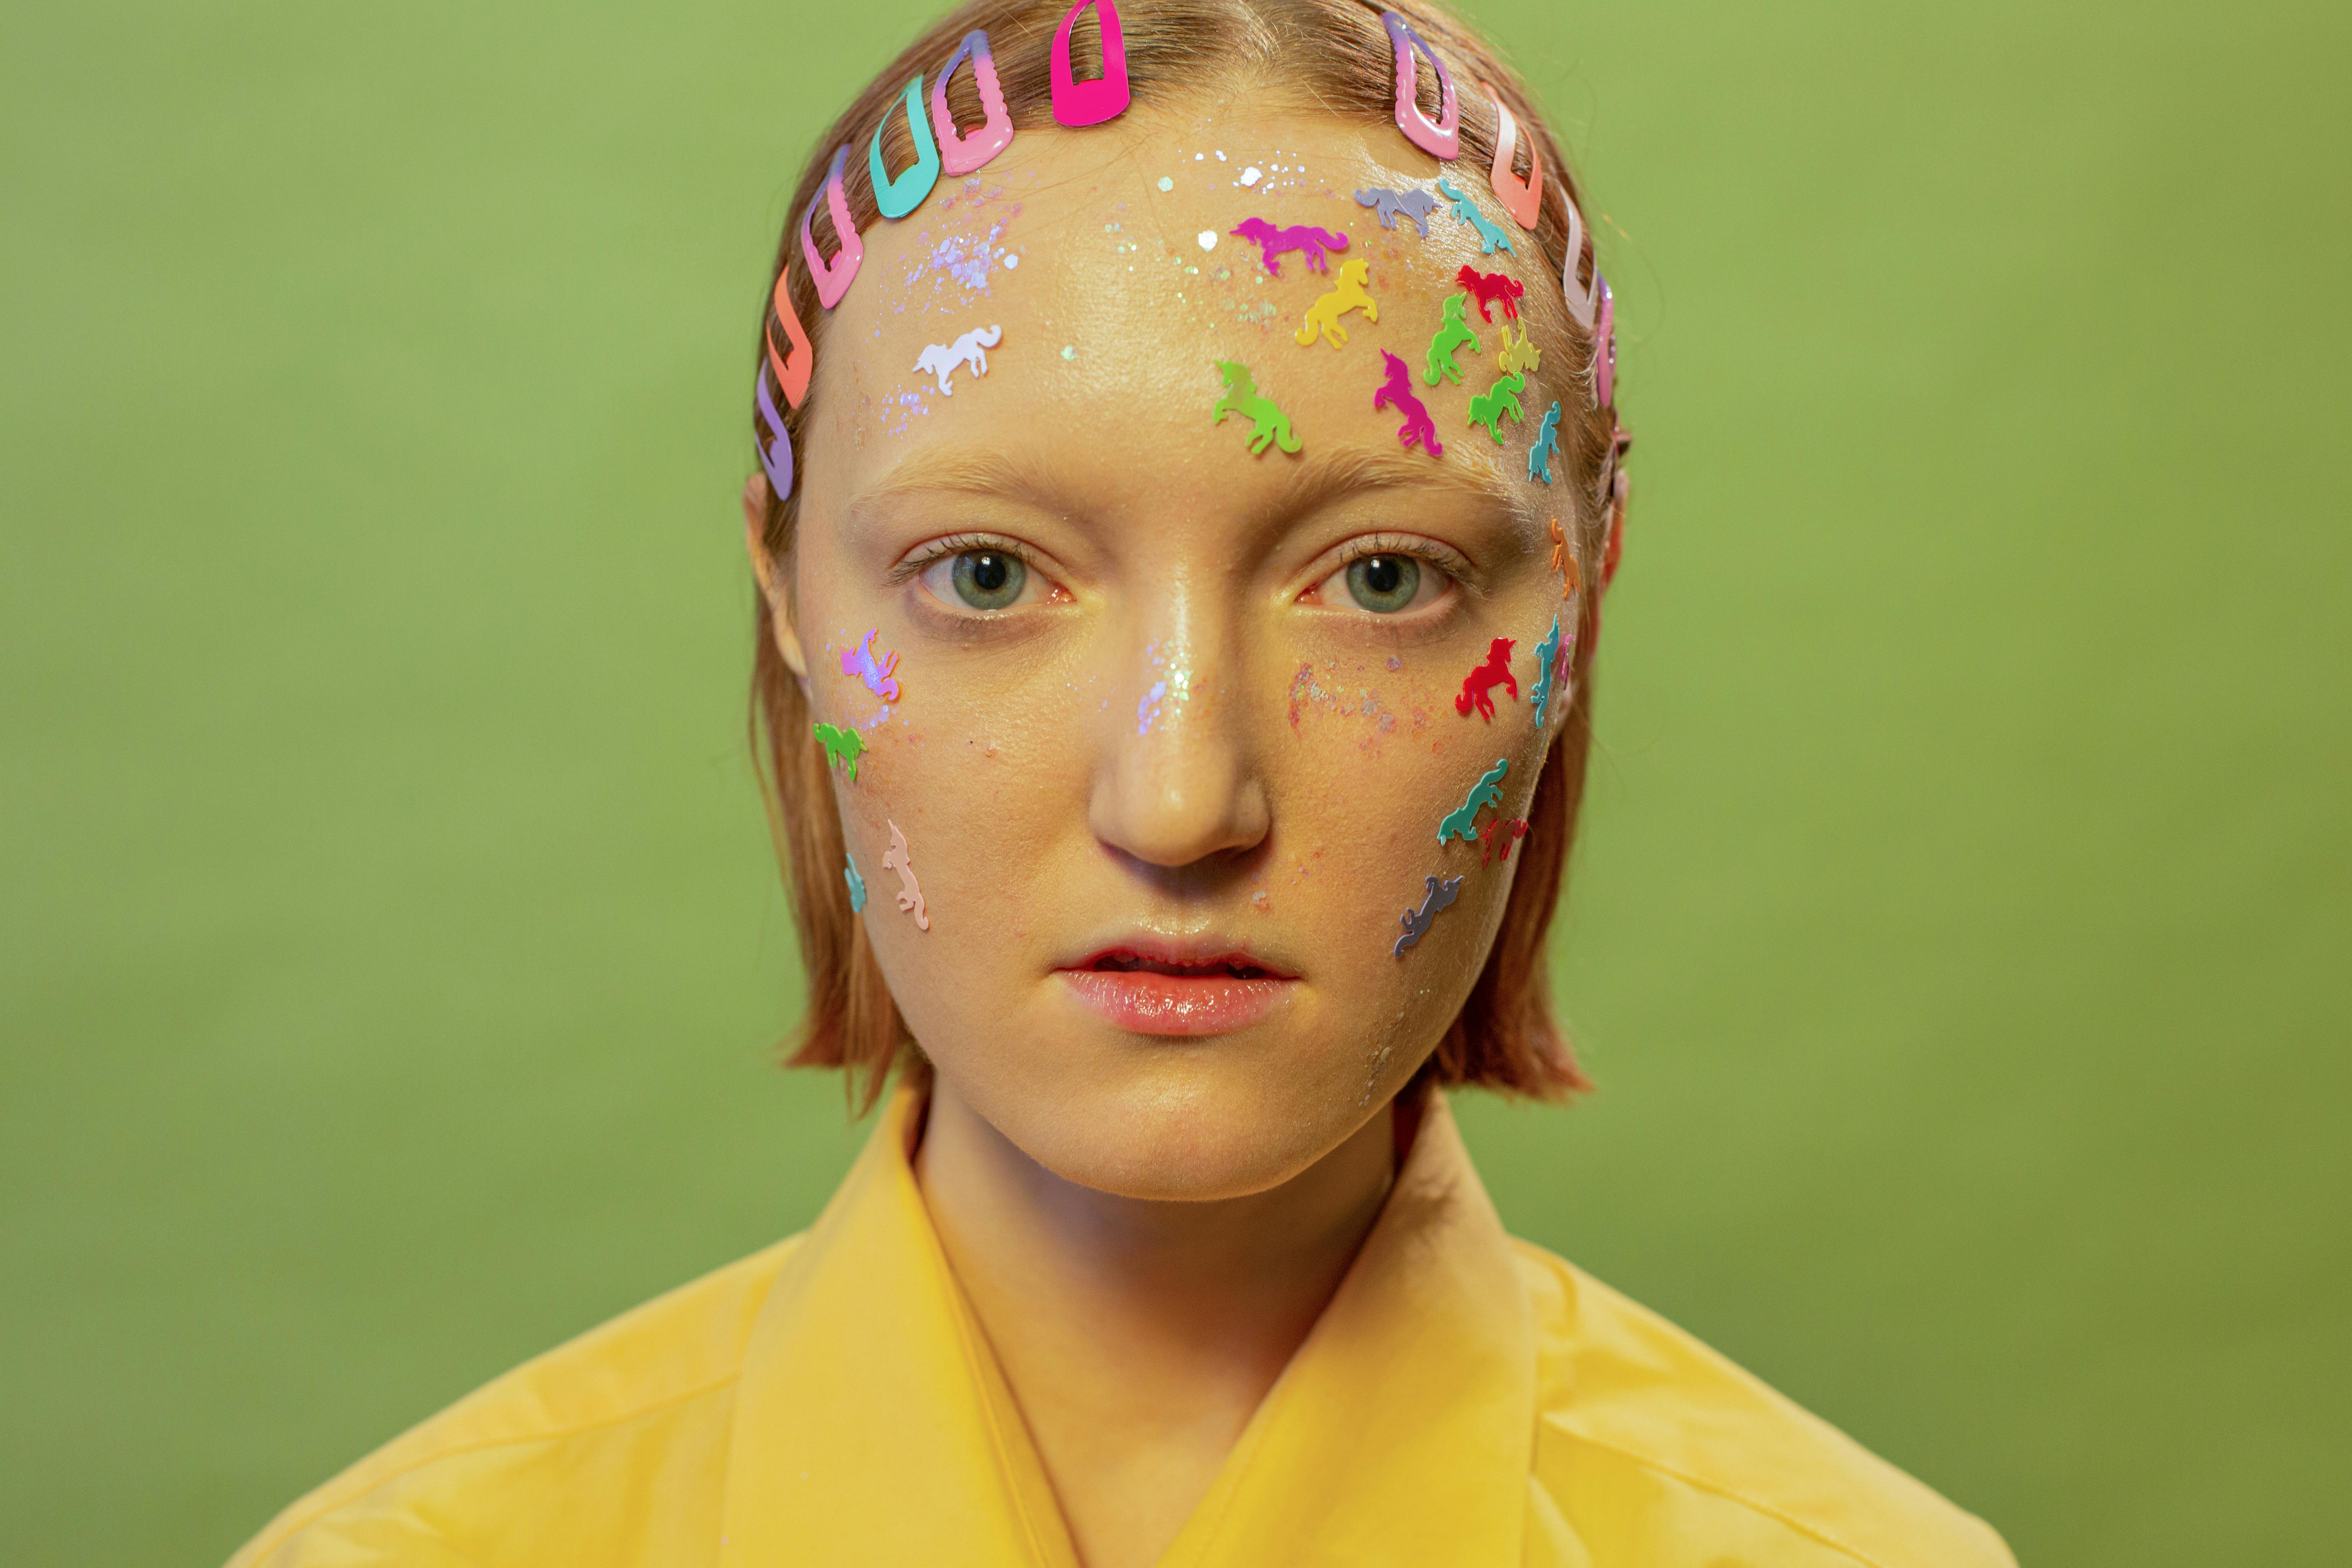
776, 450
1604, 346
1523, 199
902, 196
791, 370
1075, 102
1442, 137
832, 282
960, 154
1583, 299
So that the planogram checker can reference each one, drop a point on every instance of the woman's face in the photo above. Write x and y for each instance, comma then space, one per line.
1175, 724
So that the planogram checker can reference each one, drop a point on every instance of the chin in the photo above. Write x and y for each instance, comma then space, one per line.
1210, 1118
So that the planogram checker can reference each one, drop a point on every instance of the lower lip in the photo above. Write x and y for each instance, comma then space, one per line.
1149, 1004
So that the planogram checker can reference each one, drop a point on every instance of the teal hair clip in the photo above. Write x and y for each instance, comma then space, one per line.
902, 196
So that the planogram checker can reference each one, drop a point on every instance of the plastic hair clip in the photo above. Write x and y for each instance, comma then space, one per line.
1269, 425
1520, 355
899, 858
1346, 295
1604, 348
776, 446
1523, 199
902, 196
879, 677
857, 885
1455, 334
1075, 102
1583, 300
1539, 465
1547, 652
1497, 404
1463, 823
1441, 895
841, 746
1505, 830
833, 282
1271, 242
793, 369
1441, 138
1387, 203
1396, 393
1490, 233
961, 154
1492, 288
969, 350
1478, 686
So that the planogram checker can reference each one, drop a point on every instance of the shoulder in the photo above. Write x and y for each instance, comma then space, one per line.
631, 1413
1653, 1448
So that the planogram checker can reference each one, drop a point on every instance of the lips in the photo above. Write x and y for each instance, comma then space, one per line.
1157, 988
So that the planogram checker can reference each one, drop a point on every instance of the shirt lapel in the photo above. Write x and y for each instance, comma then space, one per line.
1403, 1430
871, 1424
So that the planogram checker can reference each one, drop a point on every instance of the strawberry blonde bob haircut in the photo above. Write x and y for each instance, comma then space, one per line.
1330, 57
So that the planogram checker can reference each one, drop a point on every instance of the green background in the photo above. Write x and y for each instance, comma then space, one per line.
391, 956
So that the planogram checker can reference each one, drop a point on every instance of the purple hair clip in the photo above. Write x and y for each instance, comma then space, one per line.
776, 447
960, 154
1441, 137
1583, 299
1078, 103
833, 282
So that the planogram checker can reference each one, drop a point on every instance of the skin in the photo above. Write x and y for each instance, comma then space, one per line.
1147, 1225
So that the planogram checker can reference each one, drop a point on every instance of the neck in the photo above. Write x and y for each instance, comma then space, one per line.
1138, 1335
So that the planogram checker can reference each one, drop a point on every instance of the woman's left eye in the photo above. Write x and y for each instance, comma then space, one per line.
985, 579
1386, 583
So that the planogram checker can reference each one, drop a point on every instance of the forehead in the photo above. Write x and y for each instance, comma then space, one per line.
1104, 265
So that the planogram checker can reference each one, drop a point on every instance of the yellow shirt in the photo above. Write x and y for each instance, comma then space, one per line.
1466, 1399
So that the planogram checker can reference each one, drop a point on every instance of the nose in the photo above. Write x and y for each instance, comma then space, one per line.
1175, 780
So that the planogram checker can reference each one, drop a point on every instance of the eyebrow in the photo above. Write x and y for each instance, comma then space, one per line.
1314, 481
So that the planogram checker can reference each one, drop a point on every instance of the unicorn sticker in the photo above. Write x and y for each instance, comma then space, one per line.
971, 349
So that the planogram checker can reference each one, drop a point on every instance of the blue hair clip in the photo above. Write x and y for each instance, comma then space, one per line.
902, 196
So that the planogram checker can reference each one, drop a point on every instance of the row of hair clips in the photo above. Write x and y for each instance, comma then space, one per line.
940, 148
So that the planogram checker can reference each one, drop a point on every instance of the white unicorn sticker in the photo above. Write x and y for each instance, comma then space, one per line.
971, 349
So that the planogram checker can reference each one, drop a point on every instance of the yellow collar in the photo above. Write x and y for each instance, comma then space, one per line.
872, 1424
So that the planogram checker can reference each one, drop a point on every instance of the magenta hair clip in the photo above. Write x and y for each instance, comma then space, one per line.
1604, 346
832, 282
960, 154
1582, 300
1396, 393
793, 369
776, 447
1075, 102
1442, 136
1523, 199
902, 196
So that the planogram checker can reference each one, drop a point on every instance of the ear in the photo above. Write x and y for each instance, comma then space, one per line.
764, 568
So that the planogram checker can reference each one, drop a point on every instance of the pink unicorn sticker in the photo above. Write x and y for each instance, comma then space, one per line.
1396, 393
1271, 242
880, 678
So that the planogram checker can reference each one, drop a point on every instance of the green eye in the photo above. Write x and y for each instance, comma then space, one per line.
1385, 583
988, 579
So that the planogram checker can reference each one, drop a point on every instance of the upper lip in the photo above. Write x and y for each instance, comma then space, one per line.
1204, 956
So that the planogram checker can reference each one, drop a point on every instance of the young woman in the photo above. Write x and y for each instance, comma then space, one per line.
1189, 473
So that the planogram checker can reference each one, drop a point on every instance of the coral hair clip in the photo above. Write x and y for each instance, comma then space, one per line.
1523, 199
1442, 136
833, 282
1075, 102
960, 154
902, 196
793, 369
